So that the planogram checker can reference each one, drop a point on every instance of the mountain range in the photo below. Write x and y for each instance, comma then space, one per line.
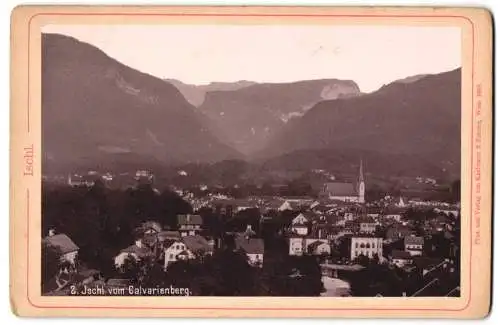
247, 118
195, 94
419, 118
97, 111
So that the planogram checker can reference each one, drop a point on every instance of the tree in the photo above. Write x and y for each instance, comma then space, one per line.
362, 260
376, 279
225, 273
243, 218
171, 205
50, 263
455, 191
136, 269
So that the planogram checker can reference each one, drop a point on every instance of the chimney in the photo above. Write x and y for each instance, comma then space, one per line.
52, 232
138, 242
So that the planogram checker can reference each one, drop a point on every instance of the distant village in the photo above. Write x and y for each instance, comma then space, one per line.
354, 246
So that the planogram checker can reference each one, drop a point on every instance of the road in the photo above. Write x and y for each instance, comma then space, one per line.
334, 287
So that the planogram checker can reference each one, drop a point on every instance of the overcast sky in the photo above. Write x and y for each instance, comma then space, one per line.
370, 55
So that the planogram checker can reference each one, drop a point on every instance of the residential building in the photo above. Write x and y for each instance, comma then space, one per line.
414, 245
397, 232
64, 246
300, 225
198, 245
144, 177
138, 251
319, 247
189, 224
76, 180
367, 225
367, 246
401, 258
298, 246
253, 247
175, 250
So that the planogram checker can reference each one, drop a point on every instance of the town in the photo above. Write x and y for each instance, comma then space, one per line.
336, 241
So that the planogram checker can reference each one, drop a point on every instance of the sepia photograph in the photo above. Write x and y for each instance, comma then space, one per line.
251, 160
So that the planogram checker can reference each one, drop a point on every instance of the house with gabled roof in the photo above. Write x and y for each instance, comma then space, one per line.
401, 258
198, 245
137, 251
175, 250
253, 248
63, 245
300, 225
319, 247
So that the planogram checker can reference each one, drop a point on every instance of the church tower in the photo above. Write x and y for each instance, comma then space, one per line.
361, 184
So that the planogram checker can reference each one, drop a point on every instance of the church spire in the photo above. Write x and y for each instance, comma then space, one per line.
361, 183
361, 177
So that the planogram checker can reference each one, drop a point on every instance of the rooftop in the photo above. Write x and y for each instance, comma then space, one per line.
62, 243
340, 189
397, 254
197, 243
249, 245
189, 219
138, 251
414, 240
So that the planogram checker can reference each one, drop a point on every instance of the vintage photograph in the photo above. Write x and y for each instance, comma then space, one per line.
251, 160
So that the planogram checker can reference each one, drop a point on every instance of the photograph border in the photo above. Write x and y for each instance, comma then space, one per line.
480, 21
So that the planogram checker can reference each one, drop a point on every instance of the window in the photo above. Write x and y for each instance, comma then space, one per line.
357, 245
171, 256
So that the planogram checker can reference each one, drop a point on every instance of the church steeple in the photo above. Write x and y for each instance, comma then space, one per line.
361, 177
361, 183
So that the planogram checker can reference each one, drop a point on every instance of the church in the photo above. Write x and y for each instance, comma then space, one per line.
347, 192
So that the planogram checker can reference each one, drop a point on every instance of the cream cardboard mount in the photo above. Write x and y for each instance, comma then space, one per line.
346, 174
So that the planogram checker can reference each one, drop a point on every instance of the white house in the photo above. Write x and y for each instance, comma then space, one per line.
367, 246
175, 250
300, 225
295, 246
